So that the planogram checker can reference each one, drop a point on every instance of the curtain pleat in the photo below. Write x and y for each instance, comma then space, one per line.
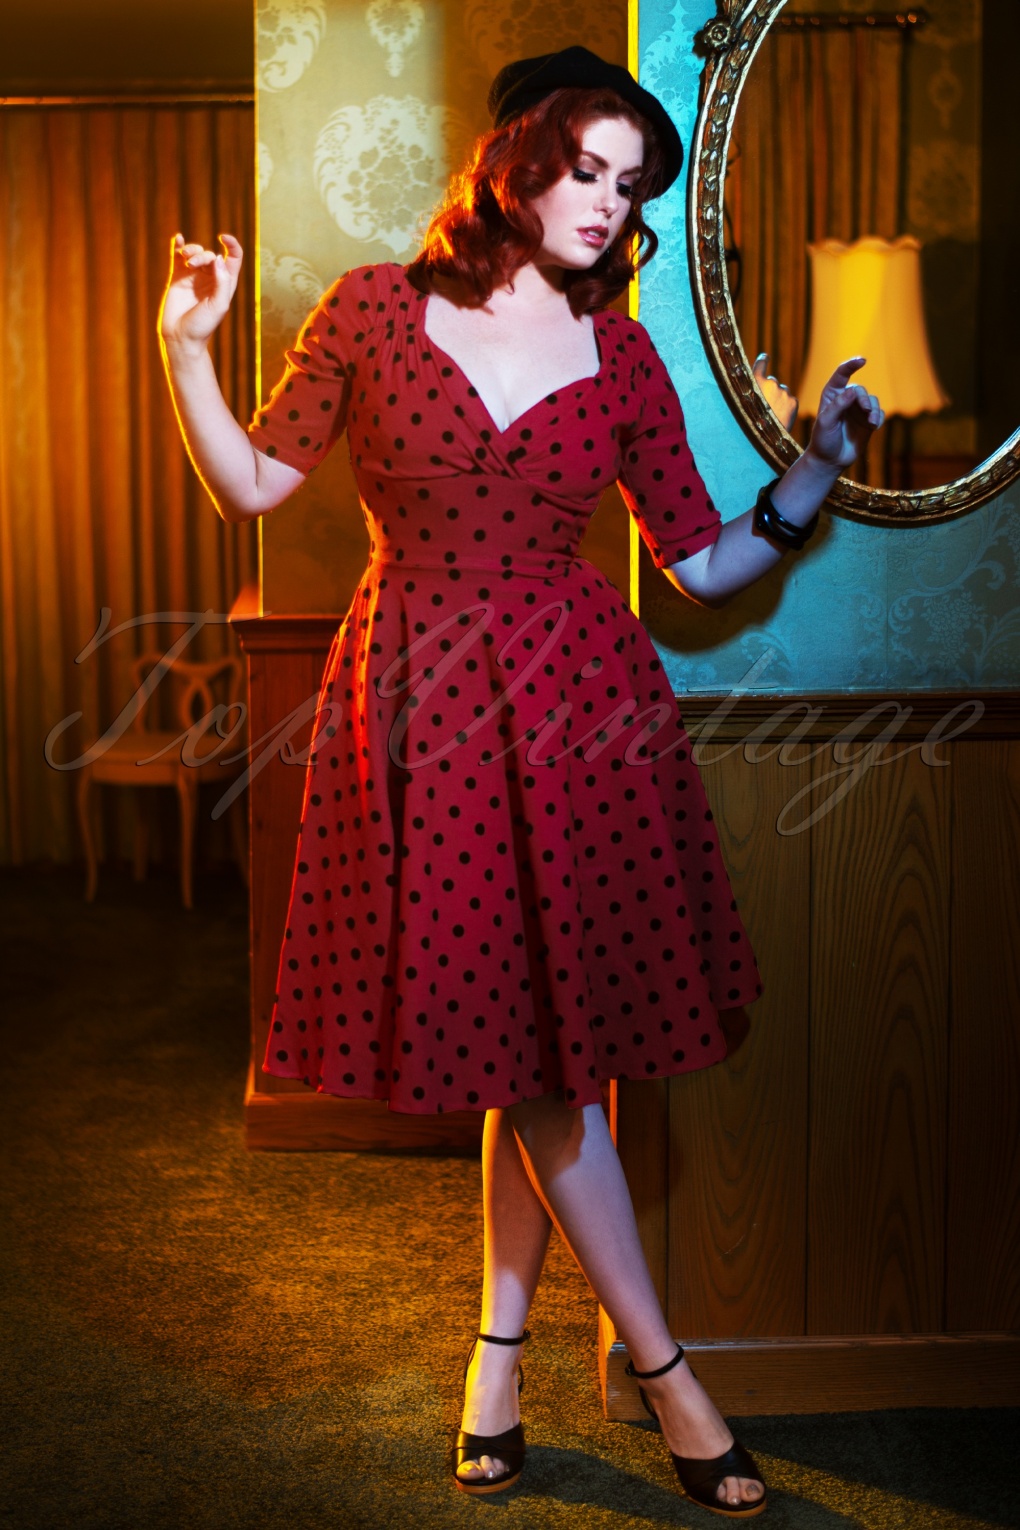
816, 155
99, 506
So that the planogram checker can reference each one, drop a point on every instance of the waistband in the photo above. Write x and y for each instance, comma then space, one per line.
528, 566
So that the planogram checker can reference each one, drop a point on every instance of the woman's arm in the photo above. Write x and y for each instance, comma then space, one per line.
847, 416
241, 481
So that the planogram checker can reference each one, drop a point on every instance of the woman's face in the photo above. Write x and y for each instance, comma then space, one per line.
584, 210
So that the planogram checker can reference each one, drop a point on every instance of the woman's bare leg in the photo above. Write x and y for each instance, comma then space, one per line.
573, 1161
517, 1228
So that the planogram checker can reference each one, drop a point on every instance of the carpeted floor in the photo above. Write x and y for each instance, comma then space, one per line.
199, 1336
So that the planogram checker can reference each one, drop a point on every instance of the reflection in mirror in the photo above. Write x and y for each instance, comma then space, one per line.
853, 224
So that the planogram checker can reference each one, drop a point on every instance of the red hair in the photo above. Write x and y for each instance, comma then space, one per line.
486, 228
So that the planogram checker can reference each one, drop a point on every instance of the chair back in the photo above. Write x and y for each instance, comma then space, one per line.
195, 688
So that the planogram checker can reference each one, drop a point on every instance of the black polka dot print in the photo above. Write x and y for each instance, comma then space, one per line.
507, 878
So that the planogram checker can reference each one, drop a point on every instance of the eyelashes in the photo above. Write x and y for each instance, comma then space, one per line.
587, 177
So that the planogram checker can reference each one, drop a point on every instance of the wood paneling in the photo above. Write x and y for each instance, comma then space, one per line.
279, 684
984, 1044
879, 1023
304, 1122
935, 715
842, 1201
738, 1131
286, 658
639, 1121
835, 1375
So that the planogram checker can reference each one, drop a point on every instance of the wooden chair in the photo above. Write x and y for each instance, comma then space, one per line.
182, 757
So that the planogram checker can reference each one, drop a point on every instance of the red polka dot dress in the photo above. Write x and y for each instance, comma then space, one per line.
507, 878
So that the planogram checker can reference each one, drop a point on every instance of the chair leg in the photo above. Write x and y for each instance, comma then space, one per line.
239, 837
84, 798
141, 834
187, 791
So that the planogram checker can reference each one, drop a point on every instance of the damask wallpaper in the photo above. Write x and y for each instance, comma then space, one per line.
364, 109
863, 608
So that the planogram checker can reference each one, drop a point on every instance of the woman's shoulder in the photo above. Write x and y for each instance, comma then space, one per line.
367, 295
629, 334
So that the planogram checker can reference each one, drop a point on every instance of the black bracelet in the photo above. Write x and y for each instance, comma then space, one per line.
769, 522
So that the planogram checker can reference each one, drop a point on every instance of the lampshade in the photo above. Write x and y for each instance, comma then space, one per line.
866, 301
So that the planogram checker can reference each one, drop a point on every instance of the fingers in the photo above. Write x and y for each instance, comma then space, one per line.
837, 402
195, 255
866, 402
234, 254
845, 371
761, 366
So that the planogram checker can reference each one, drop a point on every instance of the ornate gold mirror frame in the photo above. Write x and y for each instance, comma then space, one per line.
729, 44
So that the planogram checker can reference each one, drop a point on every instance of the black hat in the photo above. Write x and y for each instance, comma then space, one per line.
523, 84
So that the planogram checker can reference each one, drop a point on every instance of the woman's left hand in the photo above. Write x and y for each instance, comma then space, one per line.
847, 416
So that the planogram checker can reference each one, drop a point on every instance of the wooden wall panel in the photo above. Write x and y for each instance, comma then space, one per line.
879, 1003
983, 1220
738, 1131
639, 1120
904, 1155
279, 683
286, 659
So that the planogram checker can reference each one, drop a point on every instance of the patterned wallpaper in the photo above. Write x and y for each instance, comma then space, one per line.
364, 108
863, 608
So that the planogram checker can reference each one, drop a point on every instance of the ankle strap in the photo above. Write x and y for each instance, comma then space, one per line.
649, 1375
491, 1338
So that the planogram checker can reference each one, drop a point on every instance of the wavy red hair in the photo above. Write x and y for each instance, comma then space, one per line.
486, 229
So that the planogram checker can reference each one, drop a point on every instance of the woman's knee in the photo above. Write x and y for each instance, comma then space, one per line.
546, 1120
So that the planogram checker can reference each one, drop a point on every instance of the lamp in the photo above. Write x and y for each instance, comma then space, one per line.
866, 301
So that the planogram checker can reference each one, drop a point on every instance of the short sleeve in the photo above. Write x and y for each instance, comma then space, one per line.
659, 480
306, 412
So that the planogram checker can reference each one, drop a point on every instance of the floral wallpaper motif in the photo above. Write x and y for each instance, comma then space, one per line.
863, 608
289, 31
395, 25
364, 109
378, 166
498, 33
265, 167
289, 289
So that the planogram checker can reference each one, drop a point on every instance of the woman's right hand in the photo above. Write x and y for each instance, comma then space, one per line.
199, 290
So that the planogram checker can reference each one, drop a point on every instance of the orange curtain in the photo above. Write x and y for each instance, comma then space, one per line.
99, 505
815, 154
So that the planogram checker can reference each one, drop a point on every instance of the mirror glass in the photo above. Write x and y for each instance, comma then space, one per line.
858, 219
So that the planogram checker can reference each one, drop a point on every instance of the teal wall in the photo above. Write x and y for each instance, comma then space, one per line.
863, 608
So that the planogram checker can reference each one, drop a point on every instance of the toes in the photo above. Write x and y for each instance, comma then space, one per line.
739, 1490
729, 1490
487, 1466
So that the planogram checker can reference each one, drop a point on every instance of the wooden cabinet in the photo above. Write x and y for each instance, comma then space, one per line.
286, 656
833, 1215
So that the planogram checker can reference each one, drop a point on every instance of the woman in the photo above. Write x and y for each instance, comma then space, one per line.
489, 908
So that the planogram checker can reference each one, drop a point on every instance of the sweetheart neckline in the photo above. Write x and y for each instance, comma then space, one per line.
476, 393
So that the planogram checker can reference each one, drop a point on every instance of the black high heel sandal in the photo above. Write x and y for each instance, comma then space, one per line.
508, 1446
700, 1479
